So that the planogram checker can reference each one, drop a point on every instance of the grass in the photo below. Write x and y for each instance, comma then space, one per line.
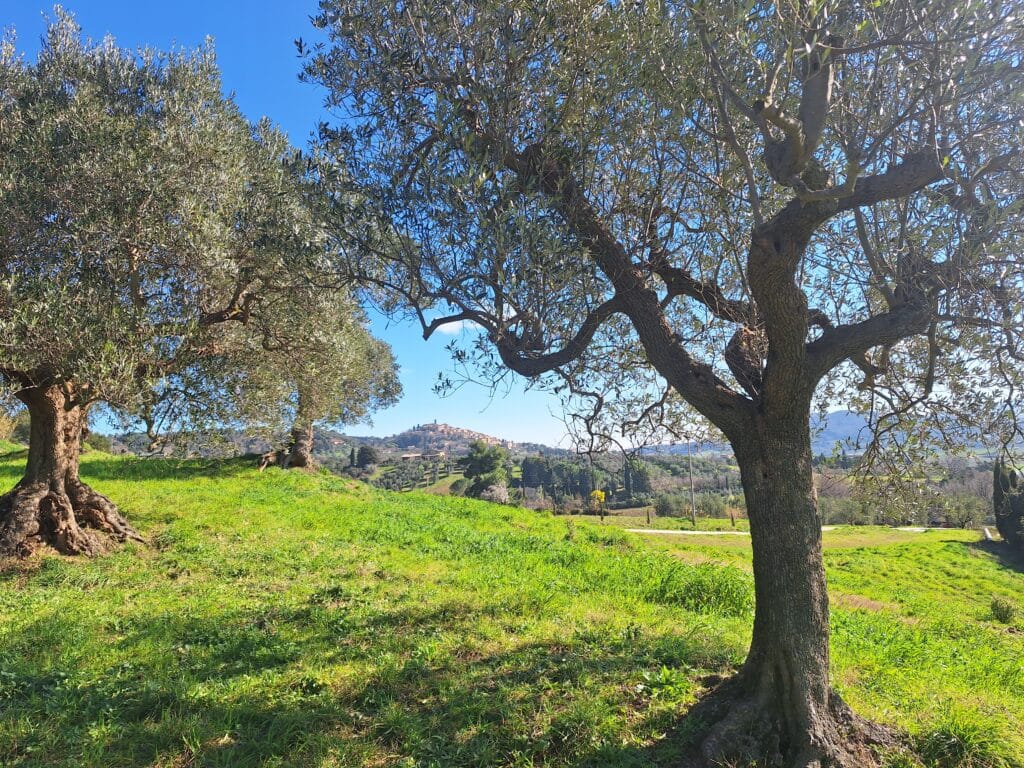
284, 619
444, 485
960, 742
636, 518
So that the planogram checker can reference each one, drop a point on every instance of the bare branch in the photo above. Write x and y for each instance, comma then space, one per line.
847, 342
515, 357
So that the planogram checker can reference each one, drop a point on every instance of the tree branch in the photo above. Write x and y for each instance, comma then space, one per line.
852, 341
541, 170
520, 361
437, 322
916, 171
681, 283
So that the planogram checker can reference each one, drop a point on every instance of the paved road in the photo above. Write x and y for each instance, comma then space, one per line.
740, 533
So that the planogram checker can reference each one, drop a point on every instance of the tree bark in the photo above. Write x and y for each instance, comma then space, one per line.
780, 709
51, 505
300, 446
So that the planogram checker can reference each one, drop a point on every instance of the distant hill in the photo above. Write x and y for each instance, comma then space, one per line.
421, 438
840, 428
433, 437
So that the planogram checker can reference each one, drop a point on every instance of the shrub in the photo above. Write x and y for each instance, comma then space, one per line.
711, 505
667, 505
537, 503
836, 511
367, 456
7, 424
98, 442
497, 494
1003, 610
964, 511
478, 484
570, 505
356, 473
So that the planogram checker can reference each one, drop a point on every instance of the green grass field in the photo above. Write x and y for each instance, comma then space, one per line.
286, 619
635, 518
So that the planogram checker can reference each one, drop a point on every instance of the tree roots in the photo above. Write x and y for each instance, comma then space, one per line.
751, 729
74, 520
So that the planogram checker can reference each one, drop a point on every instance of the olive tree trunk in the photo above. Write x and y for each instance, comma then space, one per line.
300, 446
51, 505
780, 709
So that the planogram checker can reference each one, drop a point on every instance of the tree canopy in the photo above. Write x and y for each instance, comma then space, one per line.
144, 212
549, 161
486, 465
334, 372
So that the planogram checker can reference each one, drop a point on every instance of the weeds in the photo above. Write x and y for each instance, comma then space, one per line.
961, 741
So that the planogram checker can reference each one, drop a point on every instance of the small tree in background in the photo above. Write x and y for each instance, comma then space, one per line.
334, 372
710, 505
640, 477
668, 505
496, 494
367, 456
485, 465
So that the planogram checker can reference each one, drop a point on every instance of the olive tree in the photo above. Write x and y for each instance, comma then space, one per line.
334, 373
747, 207
144, 217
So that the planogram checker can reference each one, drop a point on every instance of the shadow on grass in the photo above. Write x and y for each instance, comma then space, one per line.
101, 467
239, 689
12, 468
529, 706
1007, 556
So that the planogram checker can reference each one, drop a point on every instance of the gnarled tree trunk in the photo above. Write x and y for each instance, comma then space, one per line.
51, 505
297, 453
780, 709
300, 447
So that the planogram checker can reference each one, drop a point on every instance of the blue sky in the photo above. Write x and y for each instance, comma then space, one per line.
256, 50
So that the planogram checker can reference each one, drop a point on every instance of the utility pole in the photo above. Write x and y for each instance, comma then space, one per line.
693, 501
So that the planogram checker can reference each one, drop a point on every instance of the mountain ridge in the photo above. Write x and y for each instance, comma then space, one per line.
840, 428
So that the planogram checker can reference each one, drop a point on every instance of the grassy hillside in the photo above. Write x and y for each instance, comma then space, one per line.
282, 619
